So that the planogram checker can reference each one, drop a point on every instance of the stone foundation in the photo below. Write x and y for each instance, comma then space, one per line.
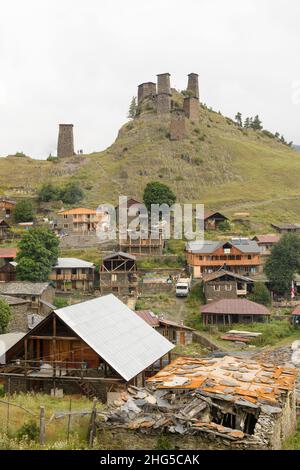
177, 126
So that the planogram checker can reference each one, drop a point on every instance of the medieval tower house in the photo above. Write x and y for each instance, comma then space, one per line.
65, 145
158, 97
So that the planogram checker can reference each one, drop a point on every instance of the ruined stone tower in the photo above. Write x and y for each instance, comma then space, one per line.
65, 145
193, 85
191, 103
163, 104
146, 90
177, 126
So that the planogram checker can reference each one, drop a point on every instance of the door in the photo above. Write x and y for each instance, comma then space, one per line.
182, 338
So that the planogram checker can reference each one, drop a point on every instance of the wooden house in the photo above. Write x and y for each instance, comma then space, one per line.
131, 208
177, 333
118, 274
213, 220
287, 228
93, 348
150, 245
239, 255
8, 272
40, 295
226, 285
73, 274
230, 311
6, 207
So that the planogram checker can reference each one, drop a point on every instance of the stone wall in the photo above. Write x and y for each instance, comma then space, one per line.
211, 294
191, 108
163, 84
146, 90
163, 104
19, 321
65, 145
177, 126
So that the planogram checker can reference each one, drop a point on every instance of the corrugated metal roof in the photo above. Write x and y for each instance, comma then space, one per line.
8, 252
7, 341
73, 263
116, 333
269, 239
208, 246
222, 272
235, 307
149, 317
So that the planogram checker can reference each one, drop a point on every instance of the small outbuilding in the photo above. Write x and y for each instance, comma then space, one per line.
230, 311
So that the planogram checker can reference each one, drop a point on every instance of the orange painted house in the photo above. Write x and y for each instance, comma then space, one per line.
240, 255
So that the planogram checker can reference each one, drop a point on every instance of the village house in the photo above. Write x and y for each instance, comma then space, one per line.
93, 348
223, 403
6, 208
4, 230
226, 285
230, 311
73, 274
78, 221
266, 243
287, 228
8, 272
40, 295
213, 220
239, 255
177, 333
131, 209
118, 274
7, 255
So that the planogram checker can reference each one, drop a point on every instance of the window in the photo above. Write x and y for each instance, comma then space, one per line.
65, 216
33, 298
249, 257
227, 251
217, 288
228, 287
74, 271
114, 277
66, 225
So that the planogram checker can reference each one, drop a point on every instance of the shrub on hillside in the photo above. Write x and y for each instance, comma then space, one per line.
23, 211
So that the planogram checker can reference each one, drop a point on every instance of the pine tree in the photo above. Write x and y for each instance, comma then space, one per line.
257, 124
247, 123
132, 108
238, 118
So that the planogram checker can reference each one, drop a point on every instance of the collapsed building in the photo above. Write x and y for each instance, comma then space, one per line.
218, 402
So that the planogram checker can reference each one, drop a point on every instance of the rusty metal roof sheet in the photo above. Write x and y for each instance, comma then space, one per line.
228, 378
8, 252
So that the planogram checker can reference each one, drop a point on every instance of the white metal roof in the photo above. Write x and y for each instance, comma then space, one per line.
7, 341
125, 341
73, 263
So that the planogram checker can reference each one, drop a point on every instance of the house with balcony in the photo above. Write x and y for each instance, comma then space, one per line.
266, 243
73, 274
118, 274
239, 255
80, 221
226, 285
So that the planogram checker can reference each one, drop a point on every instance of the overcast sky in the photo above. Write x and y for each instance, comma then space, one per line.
80, 62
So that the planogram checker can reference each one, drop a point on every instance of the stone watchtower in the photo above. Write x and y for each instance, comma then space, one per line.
177, 126
146, 90
191, 102
65, 145
163, 93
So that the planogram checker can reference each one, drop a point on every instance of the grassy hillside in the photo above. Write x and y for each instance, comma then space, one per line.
226, 167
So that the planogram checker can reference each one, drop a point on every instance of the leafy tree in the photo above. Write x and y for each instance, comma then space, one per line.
132, 108
5, 315
72, 193
239, 120
284, 263
49, 192
38, 253
256, 124
158, 193
23, 211
260, 294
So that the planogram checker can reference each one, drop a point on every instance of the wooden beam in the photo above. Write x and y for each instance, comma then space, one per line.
63, 338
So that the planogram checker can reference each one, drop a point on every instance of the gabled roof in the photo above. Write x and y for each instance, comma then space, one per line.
73, 263
209, 214
155, 321
10, 300
207, 246
286, 226
235, 307
8, 252
116, 333
23, 288
223, 272
267, 239
78, 211
120, 253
